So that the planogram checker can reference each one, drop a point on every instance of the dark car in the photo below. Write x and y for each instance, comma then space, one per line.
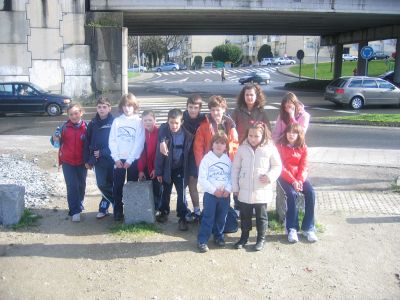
182, 67
21, 97
255, 77
389, 76
380, 55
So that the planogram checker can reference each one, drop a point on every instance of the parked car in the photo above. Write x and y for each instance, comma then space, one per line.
283, 61
168, 66
379, 55
349, 57
389, 76
182, 67
257, 77
21, 97
358, 91
137, 68
266, 61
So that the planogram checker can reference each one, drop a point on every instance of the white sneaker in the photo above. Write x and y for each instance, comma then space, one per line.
311, 236
292, 236
76, 217
101, 215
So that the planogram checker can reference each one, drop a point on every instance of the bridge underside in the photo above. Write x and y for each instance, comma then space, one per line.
209, 22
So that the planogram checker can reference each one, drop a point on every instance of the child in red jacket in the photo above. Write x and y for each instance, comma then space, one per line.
71, 139
147, 159
293, 180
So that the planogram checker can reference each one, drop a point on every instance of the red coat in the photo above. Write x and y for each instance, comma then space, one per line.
148, 156
294, 163
204, 134
72, 141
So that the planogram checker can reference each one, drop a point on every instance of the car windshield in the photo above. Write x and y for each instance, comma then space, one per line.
38, 88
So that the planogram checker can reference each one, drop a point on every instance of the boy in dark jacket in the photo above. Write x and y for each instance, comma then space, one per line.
97, 154
174, 169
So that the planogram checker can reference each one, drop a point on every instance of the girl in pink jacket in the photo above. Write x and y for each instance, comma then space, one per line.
291, 112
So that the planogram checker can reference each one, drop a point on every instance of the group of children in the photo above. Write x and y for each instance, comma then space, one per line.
222, 154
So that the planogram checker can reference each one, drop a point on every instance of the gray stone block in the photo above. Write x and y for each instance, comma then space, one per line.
12, 203
73, 29
138, 202
14, 60
45, 43
14, 27
76, 60
281, 204
44, 14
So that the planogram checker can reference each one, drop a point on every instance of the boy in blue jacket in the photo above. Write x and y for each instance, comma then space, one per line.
97, 154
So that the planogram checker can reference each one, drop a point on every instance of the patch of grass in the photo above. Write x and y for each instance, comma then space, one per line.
277, 227
310, 84
133, 74
28, 219
395, 187
375, 68
140, 229
368, 118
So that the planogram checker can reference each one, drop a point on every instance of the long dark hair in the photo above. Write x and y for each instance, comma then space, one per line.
260, 96
289, 98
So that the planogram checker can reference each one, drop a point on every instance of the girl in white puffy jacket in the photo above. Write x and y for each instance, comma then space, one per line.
257, 165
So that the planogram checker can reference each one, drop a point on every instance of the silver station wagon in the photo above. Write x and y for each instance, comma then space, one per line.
357, 91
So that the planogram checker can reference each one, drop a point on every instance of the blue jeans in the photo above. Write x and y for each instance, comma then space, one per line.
292, 214
75, 179
181, 205
104, 180
214, 218
119, 175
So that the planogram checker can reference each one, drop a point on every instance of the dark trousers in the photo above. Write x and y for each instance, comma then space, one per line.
292, 214
119, 176
75, 179
157, 187
214, 218
104, 180
178, 181
246, 214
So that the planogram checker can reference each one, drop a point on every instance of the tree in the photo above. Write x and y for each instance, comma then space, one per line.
197, 61
227, 52
208, 58
264, 51
331, 50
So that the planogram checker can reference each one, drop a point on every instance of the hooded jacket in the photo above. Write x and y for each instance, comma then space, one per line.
248, 166
205, 132
72, 141
294, 163
98, 133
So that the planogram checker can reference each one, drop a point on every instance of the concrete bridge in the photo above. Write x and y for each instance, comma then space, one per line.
79, 47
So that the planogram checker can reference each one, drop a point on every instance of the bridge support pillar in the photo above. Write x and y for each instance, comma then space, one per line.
361, 65
337, 70
396, 77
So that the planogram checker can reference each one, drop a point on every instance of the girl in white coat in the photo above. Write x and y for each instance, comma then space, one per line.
257, 165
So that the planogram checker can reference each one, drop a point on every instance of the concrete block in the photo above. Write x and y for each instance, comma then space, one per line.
73, 6
108, 76
281, 204
45, 43
14, 27
13, 78
14, 59
12, 203
76, 60
138, 202
44, 13
47, 74
77, 86
106, 42
13, 5
73, 29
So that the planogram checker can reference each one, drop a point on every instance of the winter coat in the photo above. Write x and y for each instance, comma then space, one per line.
204, 134
163, 164
303, 119
72, 141
294, 163
248, 166
148, 157
98, 132
244, 119
215, 172
126, 138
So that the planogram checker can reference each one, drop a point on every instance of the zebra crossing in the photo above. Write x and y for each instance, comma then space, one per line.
230, 74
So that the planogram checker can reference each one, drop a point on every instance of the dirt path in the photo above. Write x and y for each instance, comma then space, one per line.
357, 257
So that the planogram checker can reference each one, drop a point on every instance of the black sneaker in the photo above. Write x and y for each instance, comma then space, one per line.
219, 242
202, 248
196, 219
162, 218
183, 226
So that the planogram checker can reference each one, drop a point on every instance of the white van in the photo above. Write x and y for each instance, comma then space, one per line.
267, 61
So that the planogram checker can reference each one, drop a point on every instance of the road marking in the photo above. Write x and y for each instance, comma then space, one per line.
208, 80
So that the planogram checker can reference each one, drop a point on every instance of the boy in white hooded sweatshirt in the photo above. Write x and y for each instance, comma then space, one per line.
126, 144
215, 180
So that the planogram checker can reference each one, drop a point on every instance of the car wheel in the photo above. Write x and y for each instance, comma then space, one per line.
53, 109
279, 63
357, 102
173, 69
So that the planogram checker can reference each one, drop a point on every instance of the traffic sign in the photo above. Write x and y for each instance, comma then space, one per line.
367, 52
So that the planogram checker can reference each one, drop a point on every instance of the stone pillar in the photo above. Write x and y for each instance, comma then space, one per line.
361, 65
12, 203
124, 58
138, 202
337, 71
397, 62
